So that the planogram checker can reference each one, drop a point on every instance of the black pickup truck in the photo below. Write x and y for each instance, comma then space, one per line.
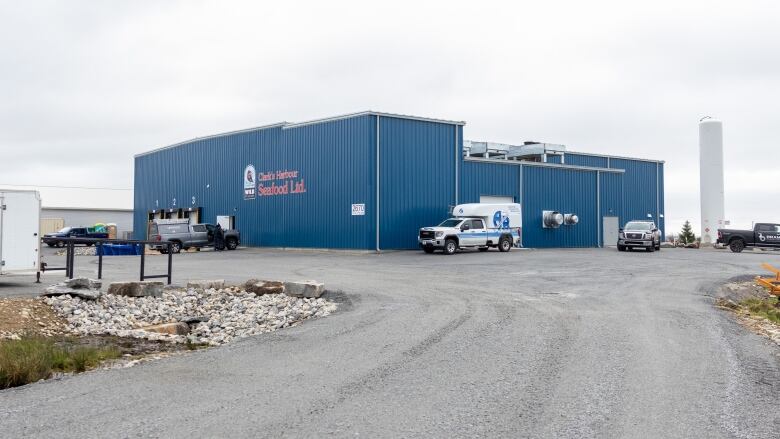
56, 238
765, 235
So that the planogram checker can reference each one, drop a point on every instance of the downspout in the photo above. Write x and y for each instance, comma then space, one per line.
457, 163
599, 221
377, 183
657, 196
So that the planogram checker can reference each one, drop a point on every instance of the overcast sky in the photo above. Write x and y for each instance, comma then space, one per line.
86, 85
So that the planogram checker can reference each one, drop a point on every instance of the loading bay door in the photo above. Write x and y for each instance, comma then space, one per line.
611, 226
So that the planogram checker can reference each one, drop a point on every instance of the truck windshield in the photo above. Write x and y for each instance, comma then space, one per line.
452, 222
64, 230
638, 226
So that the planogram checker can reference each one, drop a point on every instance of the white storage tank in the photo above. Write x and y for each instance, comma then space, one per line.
711, 178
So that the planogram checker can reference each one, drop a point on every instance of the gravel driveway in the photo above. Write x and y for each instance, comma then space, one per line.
539, 343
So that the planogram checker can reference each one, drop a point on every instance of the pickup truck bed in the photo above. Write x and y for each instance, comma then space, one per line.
763, 235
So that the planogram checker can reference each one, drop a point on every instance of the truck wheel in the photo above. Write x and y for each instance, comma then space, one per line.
428, 250
621, 248
60, 244
483, 249
450, 247
737, 245
231, 243
651, 248
504, 244
175, 247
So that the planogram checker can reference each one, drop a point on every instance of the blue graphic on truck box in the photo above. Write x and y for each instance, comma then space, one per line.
500, 221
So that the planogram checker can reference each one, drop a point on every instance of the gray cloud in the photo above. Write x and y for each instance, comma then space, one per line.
84, 86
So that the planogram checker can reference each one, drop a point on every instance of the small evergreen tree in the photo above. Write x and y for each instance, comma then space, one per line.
686, 235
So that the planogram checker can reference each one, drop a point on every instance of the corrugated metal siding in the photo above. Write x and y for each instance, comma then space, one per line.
564, 190
489, 179
640, 195
586, 160
554, 159
662, 221
417, 177
336, 161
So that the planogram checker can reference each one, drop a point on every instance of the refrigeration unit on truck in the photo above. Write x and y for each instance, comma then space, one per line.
20, 219
476, 225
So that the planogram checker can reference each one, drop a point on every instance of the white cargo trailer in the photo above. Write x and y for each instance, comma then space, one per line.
20, 219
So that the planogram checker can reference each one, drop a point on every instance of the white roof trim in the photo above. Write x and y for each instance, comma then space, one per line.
542, 165
286, 125
614, 157
229, 133
372, 113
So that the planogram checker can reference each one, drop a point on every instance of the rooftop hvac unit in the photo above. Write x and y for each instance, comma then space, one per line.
551, 219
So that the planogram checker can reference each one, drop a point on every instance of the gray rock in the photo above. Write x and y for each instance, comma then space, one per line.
61, 290
194, 319
177, 328
206, 284
83, 283
136, 289
308, 288
262, 287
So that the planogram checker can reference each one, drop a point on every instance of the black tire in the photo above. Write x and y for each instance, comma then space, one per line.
428, 250
163, 251
175, 247
658, 247
651, 248
484, 249
450, 247
231, 243
621, 248
737, 245
60, 244
504, 244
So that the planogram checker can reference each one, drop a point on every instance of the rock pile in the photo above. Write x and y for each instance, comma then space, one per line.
213, 315
79, 251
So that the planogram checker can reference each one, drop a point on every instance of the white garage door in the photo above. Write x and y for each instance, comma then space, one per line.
495, 199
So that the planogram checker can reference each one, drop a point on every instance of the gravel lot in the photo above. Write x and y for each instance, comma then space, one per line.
539, 343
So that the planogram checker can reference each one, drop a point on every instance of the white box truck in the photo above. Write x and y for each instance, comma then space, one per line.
475, 225
20, 221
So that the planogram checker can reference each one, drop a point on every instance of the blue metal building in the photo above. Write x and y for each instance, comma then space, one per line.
370, 180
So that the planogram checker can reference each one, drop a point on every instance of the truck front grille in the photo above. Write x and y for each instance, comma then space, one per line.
427, 234
634, 235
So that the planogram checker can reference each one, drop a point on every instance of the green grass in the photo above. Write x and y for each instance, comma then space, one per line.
31, 359
766, 308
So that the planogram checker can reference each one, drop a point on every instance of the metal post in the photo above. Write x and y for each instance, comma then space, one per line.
170, 261
143, 260
99, 248
71, 259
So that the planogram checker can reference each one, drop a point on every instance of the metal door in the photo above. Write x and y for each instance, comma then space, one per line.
611, 227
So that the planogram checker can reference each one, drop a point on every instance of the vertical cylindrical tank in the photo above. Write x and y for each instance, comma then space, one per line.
711, 178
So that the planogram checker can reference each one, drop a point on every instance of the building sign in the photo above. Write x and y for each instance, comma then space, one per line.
249, 182
285, 182
358, 209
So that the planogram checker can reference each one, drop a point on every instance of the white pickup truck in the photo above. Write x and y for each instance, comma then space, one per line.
475, 225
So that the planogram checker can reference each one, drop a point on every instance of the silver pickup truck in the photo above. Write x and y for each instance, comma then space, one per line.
184, 236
